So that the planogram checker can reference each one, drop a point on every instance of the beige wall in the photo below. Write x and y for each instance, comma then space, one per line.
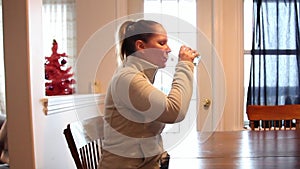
229, 44
98, 65
18, 52
92, 16
221, 74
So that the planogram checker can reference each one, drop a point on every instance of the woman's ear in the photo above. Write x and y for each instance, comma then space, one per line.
139, 45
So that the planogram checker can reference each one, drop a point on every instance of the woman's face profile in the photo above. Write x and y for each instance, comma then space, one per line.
156, 49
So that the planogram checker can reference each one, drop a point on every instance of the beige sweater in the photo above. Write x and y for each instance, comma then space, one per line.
136, 112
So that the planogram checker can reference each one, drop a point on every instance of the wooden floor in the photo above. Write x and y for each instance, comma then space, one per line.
238, 150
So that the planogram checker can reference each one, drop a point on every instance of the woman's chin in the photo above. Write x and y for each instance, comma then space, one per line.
162, 66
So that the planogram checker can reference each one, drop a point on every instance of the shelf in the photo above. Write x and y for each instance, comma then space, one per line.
63, 103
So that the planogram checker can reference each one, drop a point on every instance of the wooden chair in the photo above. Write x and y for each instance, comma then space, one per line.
280, 117
86, 153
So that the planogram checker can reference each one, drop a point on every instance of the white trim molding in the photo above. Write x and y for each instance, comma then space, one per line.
59, 104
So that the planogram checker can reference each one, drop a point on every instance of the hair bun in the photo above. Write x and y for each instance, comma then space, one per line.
130, 26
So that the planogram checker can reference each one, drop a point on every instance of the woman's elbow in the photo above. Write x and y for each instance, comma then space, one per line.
173, 117
180, 117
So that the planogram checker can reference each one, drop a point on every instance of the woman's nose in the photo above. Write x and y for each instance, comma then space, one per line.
168, 49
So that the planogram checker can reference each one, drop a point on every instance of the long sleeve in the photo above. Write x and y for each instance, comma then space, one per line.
178, 100
134, 91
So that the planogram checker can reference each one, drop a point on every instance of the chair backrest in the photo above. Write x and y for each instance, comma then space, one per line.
86, 151
278, 117
90, 154
72, 146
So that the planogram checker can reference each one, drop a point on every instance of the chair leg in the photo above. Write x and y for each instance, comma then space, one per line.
252, 124
297, 124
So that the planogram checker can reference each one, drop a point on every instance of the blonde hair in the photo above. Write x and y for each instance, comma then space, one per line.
131, 31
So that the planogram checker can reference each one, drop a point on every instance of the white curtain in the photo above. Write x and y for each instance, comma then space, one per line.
59, 23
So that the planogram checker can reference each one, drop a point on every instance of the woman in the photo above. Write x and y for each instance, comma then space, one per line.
135, 111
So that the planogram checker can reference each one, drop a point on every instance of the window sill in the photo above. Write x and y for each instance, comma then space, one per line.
63, 103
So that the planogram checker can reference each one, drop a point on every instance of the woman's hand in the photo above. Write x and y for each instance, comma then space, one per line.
187, 54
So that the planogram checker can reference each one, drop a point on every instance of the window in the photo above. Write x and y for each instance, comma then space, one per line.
184, 10
248, 11
178, 34
59, 23
274, 78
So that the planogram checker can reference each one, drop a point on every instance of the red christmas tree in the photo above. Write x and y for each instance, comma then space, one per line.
59, 81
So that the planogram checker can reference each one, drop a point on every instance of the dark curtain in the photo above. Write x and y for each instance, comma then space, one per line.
274, 75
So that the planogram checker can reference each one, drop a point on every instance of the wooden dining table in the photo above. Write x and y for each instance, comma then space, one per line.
243, 149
